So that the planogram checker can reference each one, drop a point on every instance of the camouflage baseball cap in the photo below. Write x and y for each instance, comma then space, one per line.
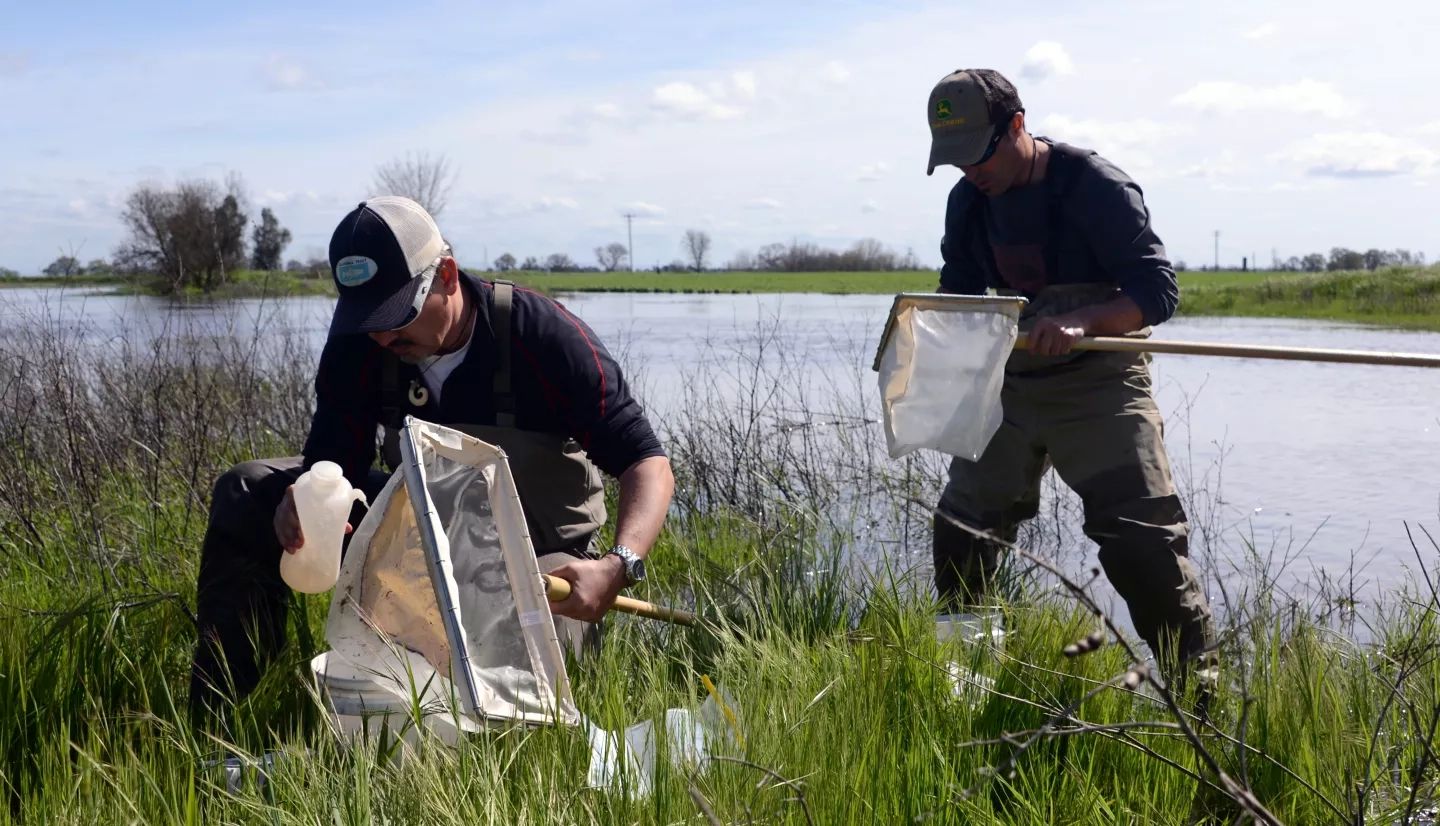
964, 109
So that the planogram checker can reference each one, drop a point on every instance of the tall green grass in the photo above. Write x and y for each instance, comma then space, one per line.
847, 712
1406, 297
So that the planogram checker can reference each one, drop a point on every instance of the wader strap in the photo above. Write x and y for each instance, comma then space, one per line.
504, 398
390, 399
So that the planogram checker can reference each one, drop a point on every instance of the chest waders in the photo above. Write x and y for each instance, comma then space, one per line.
560, 489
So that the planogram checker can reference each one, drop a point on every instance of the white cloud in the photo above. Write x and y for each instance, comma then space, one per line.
1360, 155
1211, 168
764, 203
1306, 97
1260, 32
582, 176
608, 111
1110, 134
873, 171
284, 74
546, 203
835, 72
1046, 59
744, 83
79, 207
1430, 128
869, 207
686, 100
641, 208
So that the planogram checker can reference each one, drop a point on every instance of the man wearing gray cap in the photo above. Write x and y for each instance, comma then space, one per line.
1069, 231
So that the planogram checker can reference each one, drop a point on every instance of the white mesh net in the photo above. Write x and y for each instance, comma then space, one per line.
440, 599
942, 364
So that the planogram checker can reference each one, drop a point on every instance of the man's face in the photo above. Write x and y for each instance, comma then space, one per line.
423, 337
1004, 168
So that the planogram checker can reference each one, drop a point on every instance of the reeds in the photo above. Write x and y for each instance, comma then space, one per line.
796, 539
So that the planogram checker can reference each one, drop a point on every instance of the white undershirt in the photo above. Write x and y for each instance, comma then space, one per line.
439, 368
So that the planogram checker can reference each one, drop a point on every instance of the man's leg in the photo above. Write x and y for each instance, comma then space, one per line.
994, 494
1104, 433
241, 601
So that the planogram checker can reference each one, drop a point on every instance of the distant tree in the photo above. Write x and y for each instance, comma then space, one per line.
7, 274
1345, 259
1314, 262
530, 263
674, 266
742, 260
421, 178
612, 256
193, 234
559, 262
1374, 259
1181, 266
269, 240
696, 245
63, 267
98, 266
294, 265
505, 263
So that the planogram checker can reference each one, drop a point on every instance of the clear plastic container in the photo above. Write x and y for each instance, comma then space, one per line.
323, 499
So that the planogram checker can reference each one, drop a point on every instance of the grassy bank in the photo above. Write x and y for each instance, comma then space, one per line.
1407, 297
842, 689
838, 283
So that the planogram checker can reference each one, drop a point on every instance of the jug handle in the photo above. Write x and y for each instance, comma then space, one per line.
359, 496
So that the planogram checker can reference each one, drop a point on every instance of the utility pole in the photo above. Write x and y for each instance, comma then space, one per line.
1217, 250
630, 238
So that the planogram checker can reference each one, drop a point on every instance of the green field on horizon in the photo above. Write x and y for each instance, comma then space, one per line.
841, 283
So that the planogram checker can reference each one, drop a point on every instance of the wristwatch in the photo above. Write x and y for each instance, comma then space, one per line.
634, 565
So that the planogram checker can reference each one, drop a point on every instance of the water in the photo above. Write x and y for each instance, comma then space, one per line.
1326, 463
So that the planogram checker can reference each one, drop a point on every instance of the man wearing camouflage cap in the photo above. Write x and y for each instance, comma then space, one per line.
1069, 231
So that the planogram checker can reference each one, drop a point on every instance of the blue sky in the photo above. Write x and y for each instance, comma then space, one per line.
1290, 126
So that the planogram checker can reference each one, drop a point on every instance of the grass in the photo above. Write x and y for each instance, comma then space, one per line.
839, 283
1405, 297
841, 686
1402, 297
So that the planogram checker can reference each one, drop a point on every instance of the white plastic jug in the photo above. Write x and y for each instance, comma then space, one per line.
323, 500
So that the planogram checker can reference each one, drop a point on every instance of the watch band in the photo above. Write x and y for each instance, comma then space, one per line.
634, 566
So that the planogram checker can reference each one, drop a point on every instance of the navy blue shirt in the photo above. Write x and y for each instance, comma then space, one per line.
563, 380
1084, 222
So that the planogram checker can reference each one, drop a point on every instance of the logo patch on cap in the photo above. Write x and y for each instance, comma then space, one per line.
354, 270
942, 109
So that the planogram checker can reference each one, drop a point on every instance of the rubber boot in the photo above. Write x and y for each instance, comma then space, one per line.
964, 565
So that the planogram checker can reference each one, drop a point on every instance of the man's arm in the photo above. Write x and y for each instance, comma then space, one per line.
645, 491
1116, 224
343, 427
612, 427
959, 273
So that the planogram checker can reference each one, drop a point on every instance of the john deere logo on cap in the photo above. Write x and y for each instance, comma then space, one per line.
354, 270
942, 109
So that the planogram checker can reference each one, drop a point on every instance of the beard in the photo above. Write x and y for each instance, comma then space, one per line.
414, 358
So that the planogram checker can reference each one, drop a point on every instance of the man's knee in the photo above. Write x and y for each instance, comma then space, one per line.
249, 487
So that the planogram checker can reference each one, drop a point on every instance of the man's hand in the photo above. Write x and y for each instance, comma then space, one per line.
1055, 335
594, 584
287, 523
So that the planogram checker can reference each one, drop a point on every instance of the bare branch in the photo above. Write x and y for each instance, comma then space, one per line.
425, 180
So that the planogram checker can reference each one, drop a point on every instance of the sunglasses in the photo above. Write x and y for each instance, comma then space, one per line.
1000, 129
419, 303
